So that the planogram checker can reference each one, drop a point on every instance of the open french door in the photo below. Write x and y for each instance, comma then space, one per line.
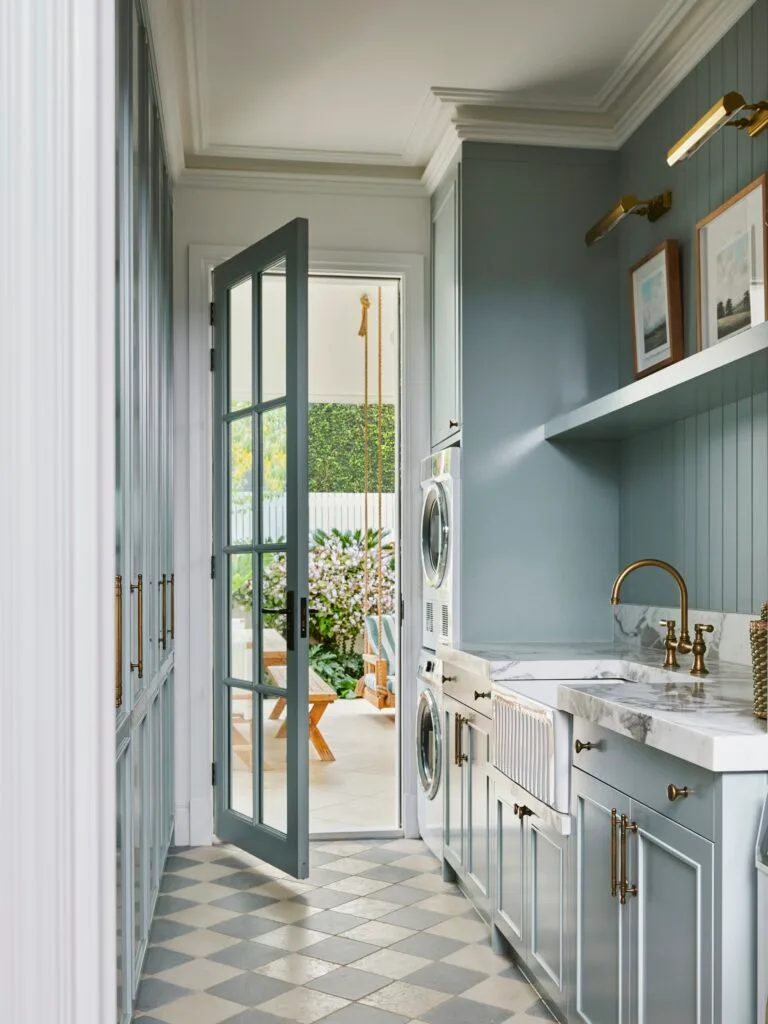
261, 770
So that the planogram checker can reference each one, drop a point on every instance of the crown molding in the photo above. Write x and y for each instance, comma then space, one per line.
310, 156
194, 19
301, 182
158, 18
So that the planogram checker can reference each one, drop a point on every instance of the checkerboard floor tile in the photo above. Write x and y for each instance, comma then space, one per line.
374, 936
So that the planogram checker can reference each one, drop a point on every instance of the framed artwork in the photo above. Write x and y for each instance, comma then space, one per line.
657, 309
731, 246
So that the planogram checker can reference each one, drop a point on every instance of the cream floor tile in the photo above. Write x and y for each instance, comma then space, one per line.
199, 1008
205, 892
400, 997
297, 969
291, 938
431, 883
204, 872
444, 903
202, 916
286, 911
303, 1005
199, 974
204, 853
463, 929
390, 964
349, 866
409, 846
478, 958
200, 943
283, 889
379, 934
344, 848
367, 907
417, 862
358, 886
506, 993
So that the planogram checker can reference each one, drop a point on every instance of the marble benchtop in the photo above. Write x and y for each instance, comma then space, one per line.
708, 722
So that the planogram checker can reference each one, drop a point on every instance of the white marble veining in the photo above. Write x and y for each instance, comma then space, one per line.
636, 624
708, 722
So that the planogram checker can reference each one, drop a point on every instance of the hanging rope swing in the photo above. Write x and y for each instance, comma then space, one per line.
372, 651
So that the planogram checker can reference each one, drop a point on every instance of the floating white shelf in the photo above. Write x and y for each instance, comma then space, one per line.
723, 373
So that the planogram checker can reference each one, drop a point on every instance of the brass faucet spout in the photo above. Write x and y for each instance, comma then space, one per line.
684, 644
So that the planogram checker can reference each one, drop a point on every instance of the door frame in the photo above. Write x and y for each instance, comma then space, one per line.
193, 441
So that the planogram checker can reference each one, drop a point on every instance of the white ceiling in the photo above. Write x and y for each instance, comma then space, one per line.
383, 87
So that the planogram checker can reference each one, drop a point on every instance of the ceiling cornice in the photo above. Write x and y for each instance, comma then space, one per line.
676, 41
159, 21
308, 182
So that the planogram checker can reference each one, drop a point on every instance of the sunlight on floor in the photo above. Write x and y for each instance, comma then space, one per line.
356, 791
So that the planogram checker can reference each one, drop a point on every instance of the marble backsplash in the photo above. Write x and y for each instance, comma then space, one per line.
638, 624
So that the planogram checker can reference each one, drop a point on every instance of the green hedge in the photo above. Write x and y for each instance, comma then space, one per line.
336, 448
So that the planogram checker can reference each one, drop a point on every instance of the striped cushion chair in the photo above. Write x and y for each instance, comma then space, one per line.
378, 683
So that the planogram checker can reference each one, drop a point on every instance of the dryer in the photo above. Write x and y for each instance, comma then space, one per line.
440, 512
429, 750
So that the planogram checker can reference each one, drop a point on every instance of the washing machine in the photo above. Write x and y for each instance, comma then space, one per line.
429, 750
440, 483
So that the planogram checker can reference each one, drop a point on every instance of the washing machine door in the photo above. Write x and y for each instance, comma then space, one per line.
435, 534
429, 743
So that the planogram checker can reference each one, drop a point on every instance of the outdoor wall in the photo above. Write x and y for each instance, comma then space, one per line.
379, 230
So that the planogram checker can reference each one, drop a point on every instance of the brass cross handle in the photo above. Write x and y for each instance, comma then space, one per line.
670, 643
699, 648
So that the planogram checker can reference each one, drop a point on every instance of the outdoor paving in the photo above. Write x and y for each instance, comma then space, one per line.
374, 936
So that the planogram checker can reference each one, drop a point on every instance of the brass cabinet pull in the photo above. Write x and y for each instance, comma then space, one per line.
677, 793
624, 887
138, 588
163, 585
118, 641
482, 694
522, 811
459, 756
614, 827
449, 679
584, 746
453, 423
173, 606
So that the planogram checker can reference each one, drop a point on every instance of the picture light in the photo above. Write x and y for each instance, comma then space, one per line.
723, 113
653, 209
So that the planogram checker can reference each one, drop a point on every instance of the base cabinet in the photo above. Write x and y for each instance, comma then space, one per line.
530, 888
643, 902
467, 800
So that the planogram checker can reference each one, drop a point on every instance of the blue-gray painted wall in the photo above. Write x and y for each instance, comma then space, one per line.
539, 323
697, 493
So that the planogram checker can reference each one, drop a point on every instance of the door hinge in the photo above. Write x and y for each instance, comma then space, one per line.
402, 608
213, 314
212, 362
213, 773
213, 567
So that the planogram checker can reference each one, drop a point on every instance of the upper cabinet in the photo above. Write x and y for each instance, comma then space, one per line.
446, 311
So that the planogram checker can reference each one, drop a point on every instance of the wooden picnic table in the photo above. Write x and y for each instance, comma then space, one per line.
321, 694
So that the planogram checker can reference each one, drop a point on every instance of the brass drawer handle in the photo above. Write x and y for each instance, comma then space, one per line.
163, 585
522, 811
118, 641
584, 746
138, 587
677, 793
173, 606
614, 827
625, 888
482, 695
453, 423
459, 756
449, 679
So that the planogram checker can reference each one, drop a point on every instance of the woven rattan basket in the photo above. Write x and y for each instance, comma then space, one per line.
758, 642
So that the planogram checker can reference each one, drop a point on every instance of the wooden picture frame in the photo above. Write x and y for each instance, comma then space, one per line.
656, 306
731, 266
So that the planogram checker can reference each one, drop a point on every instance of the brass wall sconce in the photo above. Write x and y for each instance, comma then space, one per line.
723, 113
653, 209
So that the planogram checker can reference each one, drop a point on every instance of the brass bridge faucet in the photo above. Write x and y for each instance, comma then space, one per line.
672, 645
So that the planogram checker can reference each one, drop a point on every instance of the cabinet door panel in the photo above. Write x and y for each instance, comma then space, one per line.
445, 315
671, 976
547, 894
510, 872
601, 928
454, 785
477, 852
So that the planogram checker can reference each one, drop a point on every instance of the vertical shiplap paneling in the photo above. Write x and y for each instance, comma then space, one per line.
744, 504
702, 509
697, 493
730, 506
759, 499
715, 549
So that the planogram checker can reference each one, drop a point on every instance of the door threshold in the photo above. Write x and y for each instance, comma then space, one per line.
386, 833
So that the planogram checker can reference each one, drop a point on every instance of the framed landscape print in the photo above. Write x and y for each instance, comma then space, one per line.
731, 246
657, 309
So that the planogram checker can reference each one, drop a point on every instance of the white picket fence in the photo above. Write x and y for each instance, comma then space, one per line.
326, 512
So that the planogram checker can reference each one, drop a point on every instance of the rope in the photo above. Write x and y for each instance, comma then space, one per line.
365, 303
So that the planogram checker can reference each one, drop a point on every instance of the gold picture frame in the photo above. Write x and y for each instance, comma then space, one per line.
656, 305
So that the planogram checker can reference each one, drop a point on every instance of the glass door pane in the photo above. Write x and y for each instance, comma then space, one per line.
261, 530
